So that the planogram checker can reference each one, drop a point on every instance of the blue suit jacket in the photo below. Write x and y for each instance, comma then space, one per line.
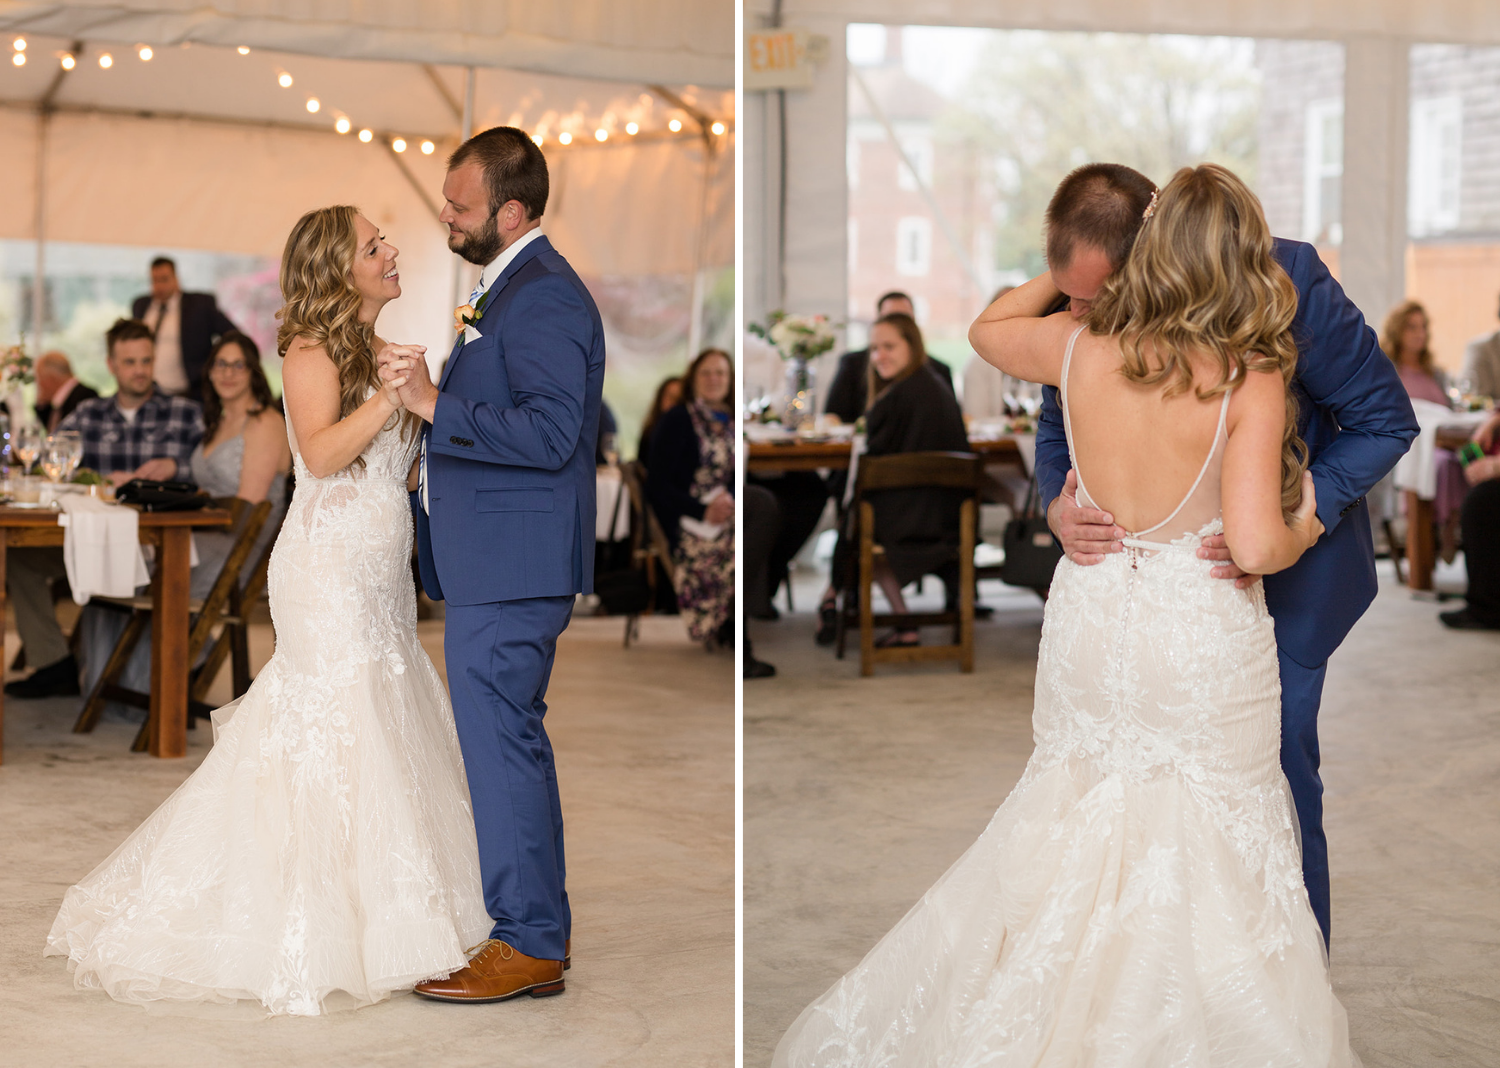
1354, 414
510, 452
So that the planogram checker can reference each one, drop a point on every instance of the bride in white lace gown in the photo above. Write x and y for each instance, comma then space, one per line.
323, 855
1137, 901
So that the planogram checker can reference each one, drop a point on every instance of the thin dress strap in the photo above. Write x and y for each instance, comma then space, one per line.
1062, 396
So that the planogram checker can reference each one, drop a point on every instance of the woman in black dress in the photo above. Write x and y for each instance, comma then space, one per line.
908, 412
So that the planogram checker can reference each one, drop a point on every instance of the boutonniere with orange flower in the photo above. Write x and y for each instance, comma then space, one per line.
469, 314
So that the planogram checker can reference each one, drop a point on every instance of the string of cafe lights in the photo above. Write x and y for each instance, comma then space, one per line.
342, 124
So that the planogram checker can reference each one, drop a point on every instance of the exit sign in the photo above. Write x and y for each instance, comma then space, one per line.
778, 59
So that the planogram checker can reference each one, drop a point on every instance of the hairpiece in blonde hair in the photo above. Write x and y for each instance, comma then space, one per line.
1150, 208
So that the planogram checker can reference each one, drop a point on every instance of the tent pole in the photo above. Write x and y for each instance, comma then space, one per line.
466, 131
39, 274
45, 107
468, 116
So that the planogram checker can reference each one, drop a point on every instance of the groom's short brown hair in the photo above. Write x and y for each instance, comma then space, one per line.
514, 168
1098, 204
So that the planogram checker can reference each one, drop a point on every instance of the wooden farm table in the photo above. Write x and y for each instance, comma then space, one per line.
170, 533
766, 458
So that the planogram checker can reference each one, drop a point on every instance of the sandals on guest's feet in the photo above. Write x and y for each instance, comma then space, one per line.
828, 623
899, 639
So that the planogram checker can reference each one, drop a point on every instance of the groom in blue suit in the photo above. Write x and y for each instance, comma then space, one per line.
505, 535
1354, 415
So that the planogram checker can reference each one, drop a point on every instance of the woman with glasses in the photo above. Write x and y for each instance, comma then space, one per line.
244, 451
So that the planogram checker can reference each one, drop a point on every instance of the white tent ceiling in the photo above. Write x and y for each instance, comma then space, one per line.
671, 41
202, 147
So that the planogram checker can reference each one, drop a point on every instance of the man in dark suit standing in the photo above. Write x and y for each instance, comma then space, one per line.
846, 396
186, 326
58, 392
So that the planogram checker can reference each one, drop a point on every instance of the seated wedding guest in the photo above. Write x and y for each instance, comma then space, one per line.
910, 411
244, 453
847, 393
139, 432
1481, 531
1404, 339
1482, 364
609, 429
762, 520
668, 396
185, 325
58, 392
690, 484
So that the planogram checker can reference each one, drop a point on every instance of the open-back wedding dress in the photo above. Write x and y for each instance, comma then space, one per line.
1137, 901
323, 855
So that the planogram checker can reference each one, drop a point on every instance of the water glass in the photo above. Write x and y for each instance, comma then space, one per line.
27, 445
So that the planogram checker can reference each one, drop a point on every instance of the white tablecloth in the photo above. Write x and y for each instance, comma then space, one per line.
1417, 470
611, 497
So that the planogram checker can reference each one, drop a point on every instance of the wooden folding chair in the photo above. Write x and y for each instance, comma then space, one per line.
248, 521
913, 470
234, 639
650, 547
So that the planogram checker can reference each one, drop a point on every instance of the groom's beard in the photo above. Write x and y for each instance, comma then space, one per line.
480, 246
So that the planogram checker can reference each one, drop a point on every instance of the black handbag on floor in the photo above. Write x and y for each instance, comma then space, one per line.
152, 495
1031, 551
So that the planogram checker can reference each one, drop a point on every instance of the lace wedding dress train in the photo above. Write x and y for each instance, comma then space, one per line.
323, 855
1137, 901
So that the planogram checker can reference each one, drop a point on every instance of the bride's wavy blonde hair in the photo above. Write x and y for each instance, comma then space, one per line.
322, 305
1202, 278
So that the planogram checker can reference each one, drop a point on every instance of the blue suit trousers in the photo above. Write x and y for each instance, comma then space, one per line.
499, 658
1301, 693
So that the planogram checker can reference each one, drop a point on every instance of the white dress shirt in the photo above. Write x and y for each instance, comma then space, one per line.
166, 321
487, 277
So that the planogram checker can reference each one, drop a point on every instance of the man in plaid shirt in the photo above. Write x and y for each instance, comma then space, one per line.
140, 432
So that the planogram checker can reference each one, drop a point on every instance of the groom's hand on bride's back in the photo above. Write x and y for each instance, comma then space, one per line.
1086, 535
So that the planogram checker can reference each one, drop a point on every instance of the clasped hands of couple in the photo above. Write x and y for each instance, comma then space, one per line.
405, 381
1087, 535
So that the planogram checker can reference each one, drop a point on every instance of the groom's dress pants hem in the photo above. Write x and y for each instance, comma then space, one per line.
499, 658
1301, 694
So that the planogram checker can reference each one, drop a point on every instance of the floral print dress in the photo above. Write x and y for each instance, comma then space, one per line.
705, 566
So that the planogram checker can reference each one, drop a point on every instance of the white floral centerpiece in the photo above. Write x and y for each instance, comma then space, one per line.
15, 371
799, 339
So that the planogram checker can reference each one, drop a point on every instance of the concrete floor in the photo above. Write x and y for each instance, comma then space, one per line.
645, 750
859, 793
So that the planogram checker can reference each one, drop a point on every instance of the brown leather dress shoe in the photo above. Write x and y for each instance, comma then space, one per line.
497, 971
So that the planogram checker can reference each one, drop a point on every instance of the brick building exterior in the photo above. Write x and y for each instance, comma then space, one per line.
896, 241
1453, 201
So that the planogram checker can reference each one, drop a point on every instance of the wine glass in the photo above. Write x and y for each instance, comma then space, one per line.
27, 446
70, 442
